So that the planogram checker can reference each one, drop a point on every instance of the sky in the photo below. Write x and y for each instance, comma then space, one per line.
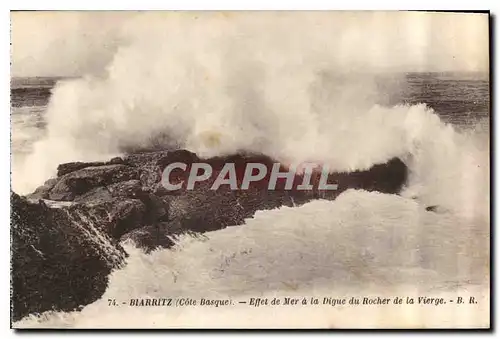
78, 43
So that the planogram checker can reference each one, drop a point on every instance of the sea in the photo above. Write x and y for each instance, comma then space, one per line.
362, 245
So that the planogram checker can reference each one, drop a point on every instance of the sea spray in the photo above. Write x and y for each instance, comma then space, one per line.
258, 84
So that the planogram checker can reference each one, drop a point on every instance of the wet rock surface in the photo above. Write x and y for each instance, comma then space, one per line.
79, 182
60, 258
66, 235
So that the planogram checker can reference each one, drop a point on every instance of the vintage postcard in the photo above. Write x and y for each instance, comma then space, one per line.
239, 169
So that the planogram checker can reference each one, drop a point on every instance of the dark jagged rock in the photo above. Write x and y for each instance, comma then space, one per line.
125, 189
203, 209
115, 216
83, 180
150, 172
95, 195
69, 167
60, 260
385, 178
70, 247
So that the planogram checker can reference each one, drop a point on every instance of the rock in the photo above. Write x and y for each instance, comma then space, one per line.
114, 216
95, 195
69, 167
60, 260
126, 215
82, 181
157, 208
43, 191
150, 175
131, 189
115, 161
203, 209
125, 189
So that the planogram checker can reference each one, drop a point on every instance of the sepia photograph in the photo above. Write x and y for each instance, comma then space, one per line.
250, 170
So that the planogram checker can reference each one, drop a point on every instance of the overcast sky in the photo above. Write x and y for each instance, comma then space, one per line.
76, 43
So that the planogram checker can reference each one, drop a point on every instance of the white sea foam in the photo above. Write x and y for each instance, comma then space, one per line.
362, 244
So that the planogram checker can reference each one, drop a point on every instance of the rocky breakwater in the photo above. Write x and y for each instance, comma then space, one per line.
66, 235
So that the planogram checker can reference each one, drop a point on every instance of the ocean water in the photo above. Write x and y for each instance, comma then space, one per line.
362, 244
